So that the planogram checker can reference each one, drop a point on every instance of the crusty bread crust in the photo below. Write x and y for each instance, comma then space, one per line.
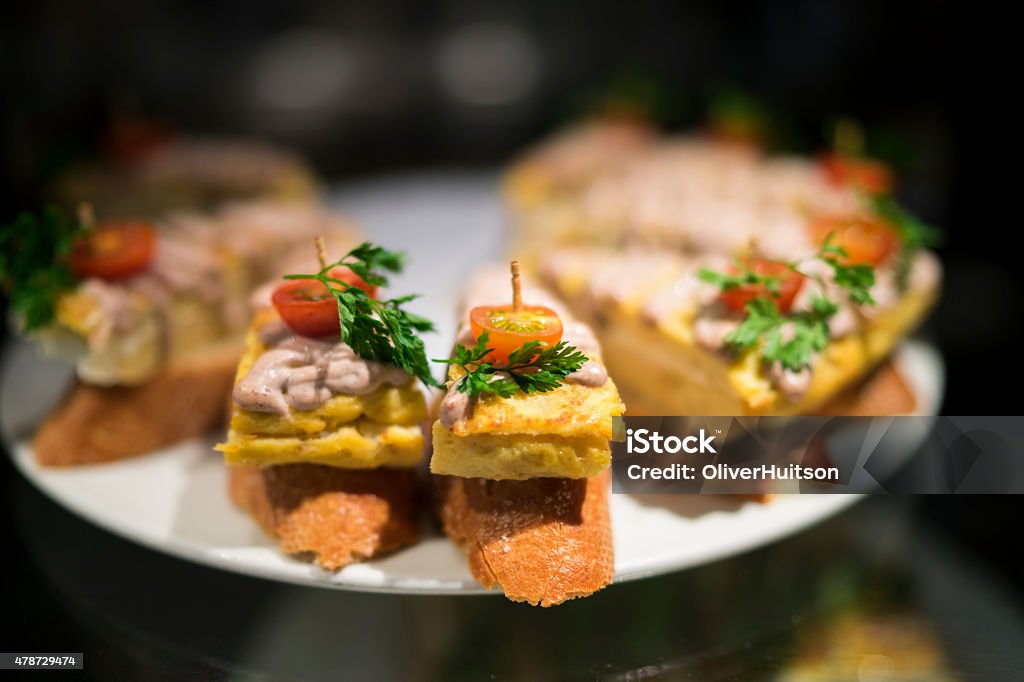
542, 541
96, 424
883, 393
330, 515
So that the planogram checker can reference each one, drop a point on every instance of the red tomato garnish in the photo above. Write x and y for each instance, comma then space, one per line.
789, 284
114, 249
866, 175
866, 240
508, 329
349, 277
307, 307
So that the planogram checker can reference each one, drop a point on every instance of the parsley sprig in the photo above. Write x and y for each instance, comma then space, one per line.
856, 279
377, 329
807, 331
34, 268
793, 339
531, 368
914, 234
742, 277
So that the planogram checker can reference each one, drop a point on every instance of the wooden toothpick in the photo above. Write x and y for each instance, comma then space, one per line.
517, 289
321, 251
751, 250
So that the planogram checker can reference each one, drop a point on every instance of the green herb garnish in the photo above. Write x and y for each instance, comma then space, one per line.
34, 268
856, 279
743, 277
914, 234
793, 339
531, 368
377, 329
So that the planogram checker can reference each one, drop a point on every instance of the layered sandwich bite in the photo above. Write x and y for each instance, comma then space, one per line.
325, 429
521, 445
721, 280
152, 314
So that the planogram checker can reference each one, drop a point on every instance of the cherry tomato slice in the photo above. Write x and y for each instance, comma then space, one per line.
307, 307
507, 329
114, 249
788, 286
866, 240
866, 175
349, 277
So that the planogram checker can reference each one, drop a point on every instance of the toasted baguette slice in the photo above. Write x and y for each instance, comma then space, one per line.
95, 424
675, 374
884, 392
542, 541
332, 516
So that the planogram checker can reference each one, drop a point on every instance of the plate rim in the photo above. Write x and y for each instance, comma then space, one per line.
921, 353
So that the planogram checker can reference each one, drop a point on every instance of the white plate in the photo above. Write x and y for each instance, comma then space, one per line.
174, 500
